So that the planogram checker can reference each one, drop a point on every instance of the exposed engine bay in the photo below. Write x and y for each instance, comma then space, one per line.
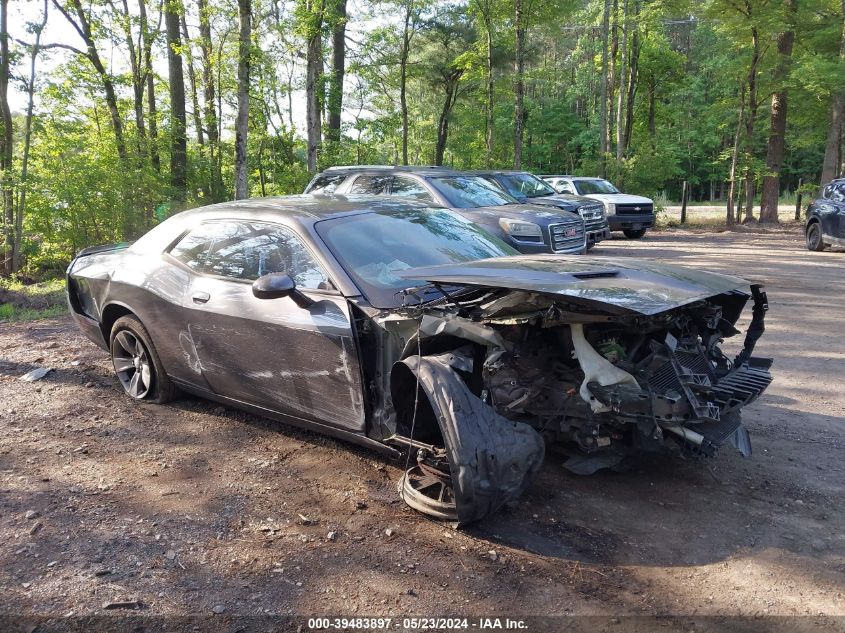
598, 387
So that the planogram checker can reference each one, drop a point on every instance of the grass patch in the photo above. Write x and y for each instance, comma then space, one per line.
26, 302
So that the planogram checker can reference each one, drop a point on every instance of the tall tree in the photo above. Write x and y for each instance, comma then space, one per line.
484, 9
178, 132
209, 111
136, 67
242, 121
605, 33
147, 40
79, 19
20, 212
621, 95
6, 143
192, 81
408, 28
311, 15
337, 20
519, 83
777, 124
833, 147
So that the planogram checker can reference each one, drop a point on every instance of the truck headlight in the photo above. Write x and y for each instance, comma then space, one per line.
520, 228
610, 208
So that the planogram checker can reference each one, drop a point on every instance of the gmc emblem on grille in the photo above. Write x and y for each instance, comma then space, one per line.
570, 232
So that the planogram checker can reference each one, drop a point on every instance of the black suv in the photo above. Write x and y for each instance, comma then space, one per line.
526, 187
528, 228
826, 218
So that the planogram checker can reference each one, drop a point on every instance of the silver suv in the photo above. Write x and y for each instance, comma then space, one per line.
528, 228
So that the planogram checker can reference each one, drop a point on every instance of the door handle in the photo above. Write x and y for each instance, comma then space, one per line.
201, 297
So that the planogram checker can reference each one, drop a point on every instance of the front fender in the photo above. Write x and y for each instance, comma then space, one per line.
492, 459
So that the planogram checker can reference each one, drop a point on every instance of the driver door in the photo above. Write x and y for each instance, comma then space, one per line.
270, 352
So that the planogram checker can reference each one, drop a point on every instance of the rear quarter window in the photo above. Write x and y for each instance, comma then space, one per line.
326, 183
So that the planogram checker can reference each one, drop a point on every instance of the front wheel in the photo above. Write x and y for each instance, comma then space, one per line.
136, 363
814, 237
634, 234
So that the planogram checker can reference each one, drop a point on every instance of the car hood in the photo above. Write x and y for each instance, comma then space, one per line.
628, 286
539, 214
620, 198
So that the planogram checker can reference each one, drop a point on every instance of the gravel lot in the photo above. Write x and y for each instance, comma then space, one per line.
192, 508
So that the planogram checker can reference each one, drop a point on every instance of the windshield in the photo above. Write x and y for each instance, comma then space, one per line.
470, 192
374, 247
525, 186
594, 185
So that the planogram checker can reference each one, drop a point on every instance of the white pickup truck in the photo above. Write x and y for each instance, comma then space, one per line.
627, 213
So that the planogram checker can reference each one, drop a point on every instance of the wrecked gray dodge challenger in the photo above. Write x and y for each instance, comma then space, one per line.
409, 329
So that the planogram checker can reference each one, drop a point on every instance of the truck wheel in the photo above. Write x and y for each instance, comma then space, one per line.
632, 234
136, 363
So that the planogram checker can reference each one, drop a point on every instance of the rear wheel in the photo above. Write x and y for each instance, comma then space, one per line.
136, 363
814, 237
634, 234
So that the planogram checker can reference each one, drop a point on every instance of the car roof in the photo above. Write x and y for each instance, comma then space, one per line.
494, 172
314, 206
419, 170
574, 177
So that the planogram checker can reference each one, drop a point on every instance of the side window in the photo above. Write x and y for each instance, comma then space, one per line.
838, 194
373, 185
410, 188
828, 192
248, 250
192, 249
326, 183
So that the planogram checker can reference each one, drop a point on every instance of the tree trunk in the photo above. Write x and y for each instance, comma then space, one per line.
620, 99
6, 144
750, 177
450, 82
777, 126
335, 100
729, 218
135, 63
519, 87
27, 141
152, 113
178, 134
192, 80
83, 28
403, 77
209, 112
242, 120
611, 78
632, 81
832, 149
488, 80
605, 32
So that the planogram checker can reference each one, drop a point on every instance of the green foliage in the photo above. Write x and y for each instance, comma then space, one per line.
26, 302
691, 60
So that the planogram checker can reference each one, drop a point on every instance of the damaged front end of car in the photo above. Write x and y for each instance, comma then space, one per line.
602, 363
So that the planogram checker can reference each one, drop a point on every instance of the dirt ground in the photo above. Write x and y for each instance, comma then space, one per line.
192, 508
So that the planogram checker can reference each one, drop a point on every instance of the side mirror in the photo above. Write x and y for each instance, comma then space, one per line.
278, 285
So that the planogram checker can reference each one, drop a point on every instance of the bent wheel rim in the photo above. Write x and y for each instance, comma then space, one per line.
132, 364
430, 492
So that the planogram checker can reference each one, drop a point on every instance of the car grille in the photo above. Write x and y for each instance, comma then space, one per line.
561, 241
634, 209
593, 216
